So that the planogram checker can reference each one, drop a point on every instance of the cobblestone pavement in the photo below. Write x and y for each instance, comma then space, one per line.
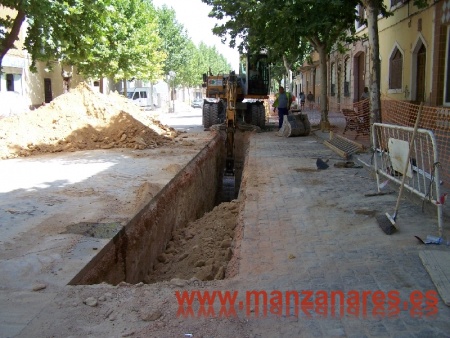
308, 229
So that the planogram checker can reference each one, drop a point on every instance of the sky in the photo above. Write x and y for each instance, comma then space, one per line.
193, 15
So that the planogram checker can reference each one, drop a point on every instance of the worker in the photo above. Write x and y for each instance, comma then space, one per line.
283, 102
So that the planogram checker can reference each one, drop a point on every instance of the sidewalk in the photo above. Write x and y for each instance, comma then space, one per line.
306, 229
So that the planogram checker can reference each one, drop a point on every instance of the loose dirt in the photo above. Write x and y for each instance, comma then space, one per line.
202, 249
81, 120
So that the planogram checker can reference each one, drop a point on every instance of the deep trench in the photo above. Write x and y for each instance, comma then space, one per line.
131, 254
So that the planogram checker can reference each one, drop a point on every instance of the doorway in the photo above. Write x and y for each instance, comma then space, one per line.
359, 67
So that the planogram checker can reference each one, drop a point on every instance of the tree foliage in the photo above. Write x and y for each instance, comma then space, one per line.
287, 29
108, 38
188, 61
115, 38
175, 40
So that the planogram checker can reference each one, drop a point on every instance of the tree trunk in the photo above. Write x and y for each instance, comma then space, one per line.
372, 11
10, 38
287, 82
324, 122
125, 89
66, 76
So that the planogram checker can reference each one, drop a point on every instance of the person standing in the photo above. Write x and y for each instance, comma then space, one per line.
282, 103
302, 100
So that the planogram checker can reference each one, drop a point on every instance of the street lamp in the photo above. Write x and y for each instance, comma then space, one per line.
172, 75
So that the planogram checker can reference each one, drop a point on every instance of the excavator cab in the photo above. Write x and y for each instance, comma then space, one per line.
255, 72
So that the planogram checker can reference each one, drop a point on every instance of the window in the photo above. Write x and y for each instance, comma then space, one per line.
398, 2
10, 82
333, 79
144, 95
347, 77
395, 69
447, 71
361, 16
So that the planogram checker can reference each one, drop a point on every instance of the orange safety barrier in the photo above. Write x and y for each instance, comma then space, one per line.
436, 119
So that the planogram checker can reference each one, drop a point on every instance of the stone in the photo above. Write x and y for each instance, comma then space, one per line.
178, 282
226, 243
91, 301
151, 316
220, 273
39, 287
183, 256
200, 263
162, 258
228, 253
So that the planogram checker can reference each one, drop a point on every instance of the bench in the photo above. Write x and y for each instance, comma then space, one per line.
358, 118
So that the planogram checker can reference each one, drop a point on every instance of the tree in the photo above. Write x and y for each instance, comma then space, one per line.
175, 40
54, 27
200, 61
114, 38
212, 61
373, 9
286, 27
129, 45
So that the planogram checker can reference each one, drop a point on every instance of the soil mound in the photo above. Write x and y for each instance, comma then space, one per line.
81, 120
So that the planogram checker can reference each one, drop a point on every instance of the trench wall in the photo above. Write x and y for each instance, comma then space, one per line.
132, 252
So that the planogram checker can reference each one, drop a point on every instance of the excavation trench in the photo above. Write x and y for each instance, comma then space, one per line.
144, 246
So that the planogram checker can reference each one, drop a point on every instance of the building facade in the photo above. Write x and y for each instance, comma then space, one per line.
414, 55
51, 79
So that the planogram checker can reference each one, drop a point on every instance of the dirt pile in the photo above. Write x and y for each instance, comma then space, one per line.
202, 249
81, 120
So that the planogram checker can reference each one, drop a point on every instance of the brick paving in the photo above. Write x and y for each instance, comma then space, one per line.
306, 229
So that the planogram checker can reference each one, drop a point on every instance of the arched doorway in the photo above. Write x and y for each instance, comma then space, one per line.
359, 68
419, 64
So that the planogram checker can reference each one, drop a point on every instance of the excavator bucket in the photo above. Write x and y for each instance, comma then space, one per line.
228, 187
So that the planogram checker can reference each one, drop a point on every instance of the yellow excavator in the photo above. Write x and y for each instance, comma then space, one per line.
234, 98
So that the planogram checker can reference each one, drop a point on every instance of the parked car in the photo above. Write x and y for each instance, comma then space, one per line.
141, 97
197, 103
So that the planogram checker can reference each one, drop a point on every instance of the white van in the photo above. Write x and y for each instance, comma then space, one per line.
142, 96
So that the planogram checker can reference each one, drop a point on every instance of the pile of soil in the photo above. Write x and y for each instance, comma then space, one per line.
202, 249
81, 120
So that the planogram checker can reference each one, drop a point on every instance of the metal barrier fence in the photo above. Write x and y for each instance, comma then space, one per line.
423, 173
436, 119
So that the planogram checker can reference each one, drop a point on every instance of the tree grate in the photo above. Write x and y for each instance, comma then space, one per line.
343, 146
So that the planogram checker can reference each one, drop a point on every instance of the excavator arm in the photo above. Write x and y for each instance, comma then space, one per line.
229, 179
230, 122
